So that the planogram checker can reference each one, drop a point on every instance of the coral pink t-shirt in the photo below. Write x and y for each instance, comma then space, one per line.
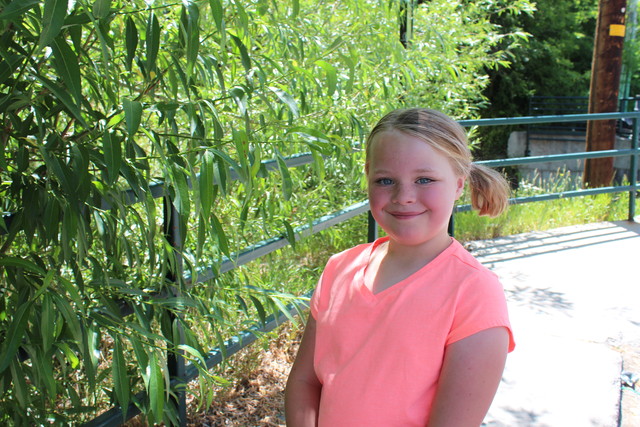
378, 356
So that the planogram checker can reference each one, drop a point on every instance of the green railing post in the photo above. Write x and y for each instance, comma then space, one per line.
175, 359
372, 226
633, 169
451, 228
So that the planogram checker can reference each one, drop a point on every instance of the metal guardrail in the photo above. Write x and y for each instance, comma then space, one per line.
633, 153
569, 131
183, 374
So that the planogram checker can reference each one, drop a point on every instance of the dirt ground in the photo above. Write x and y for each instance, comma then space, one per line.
256, 397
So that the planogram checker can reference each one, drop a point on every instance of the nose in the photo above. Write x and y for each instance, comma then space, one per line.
404, 194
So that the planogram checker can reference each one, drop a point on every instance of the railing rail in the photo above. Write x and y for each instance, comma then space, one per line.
183, 374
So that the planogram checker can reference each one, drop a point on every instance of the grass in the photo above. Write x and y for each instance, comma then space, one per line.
522, 218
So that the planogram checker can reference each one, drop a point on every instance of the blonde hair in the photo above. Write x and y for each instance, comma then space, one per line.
489, 189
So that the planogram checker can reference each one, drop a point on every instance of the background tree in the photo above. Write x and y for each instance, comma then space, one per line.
556, 61
104, 96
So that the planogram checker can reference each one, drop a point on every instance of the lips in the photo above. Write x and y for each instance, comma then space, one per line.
405, 215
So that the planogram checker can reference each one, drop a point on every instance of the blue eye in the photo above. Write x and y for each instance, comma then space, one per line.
424, 180
384, 181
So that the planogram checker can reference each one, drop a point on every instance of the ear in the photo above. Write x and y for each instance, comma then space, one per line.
460, 186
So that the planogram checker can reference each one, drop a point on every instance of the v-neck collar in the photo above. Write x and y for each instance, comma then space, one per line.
367, 293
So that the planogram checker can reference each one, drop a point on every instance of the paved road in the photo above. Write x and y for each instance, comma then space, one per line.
574, 301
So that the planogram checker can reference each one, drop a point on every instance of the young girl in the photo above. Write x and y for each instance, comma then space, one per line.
409, 330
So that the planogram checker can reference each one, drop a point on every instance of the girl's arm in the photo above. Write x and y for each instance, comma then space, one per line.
302, 395
469, 379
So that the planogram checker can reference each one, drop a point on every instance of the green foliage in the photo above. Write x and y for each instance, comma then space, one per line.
556, 61
99, 97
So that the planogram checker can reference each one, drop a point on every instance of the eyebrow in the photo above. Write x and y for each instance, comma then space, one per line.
425, 170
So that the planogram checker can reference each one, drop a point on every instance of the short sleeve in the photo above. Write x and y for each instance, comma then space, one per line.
315, 300
481, 304
319, 297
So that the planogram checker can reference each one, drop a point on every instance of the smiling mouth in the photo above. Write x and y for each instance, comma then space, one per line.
405, 215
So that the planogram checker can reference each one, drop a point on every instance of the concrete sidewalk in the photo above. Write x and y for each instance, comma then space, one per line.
574, 301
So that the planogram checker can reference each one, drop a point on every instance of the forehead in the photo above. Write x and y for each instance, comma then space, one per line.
401, 150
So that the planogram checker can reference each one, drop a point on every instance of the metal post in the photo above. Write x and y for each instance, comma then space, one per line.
372, 228
451, 227
633, 179
175, 361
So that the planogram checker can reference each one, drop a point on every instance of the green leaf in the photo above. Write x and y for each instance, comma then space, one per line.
288, 100
101, 8
112, 155
318, 165
152, 44
47, 324
195, 353
71, 318
45, 375
8, 65
291, 235
287, 182
206, 182
283, 308
10, 261
131, 39
221, 173
242, 16
52, 19
73, 360
220, 234
19, 384
132, 115
313, 137
46, 282
18, 8
15, 335
262, 315
67, 65
90, 352
240, 96
193, 35
218, 14
332, 76
182, 198
64, 97
120, 376
155, 389
141, 354
244, 53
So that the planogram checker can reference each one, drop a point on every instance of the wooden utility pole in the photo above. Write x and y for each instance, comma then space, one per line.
603, 94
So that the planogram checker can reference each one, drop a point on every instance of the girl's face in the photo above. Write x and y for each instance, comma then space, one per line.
412, 189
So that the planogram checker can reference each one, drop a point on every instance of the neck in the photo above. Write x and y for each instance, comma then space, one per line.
423, 253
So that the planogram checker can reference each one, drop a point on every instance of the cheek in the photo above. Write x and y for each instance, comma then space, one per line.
378, 197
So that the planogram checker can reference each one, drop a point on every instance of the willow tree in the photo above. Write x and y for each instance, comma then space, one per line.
102, 101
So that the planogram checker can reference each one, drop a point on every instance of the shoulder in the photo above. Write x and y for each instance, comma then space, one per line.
480, 298
340, 268
354, 254
463, 266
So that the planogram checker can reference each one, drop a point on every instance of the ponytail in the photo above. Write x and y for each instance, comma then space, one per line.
489, 190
